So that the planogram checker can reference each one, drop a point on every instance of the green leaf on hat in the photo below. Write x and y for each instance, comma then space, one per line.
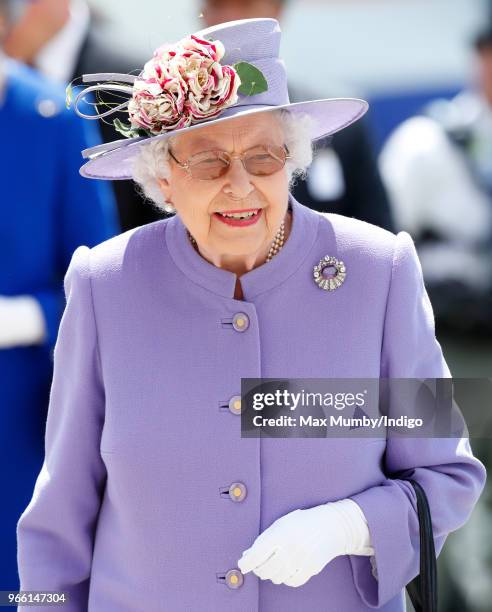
252, 80
68, 95
126, 129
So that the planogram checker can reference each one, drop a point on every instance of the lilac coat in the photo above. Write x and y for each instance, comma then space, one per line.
129, 511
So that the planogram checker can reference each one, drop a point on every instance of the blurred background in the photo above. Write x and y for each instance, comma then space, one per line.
420, 161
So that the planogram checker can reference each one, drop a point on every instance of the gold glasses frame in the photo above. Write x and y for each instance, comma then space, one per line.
188, 164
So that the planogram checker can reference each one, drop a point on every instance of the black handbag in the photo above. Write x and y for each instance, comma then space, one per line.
422, 590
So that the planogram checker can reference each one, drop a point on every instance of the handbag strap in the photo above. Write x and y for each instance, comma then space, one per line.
423, 588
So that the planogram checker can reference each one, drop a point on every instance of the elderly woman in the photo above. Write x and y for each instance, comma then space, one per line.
149, 498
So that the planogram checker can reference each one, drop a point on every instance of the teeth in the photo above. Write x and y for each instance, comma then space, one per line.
246, 215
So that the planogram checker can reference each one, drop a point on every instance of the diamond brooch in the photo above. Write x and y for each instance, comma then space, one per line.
329, 273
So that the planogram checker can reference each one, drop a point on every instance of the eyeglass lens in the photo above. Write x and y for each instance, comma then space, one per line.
259, 161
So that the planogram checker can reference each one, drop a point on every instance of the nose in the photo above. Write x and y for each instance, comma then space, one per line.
239, 183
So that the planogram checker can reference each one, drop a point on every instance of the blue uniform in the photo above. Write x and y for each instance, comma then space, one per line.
46, 210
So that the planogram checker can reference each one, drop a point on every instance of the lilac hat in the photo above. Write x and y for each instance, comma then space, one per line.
218, 73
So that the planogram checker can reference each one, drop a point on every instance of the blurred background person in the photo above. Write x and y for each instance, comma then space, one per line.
343, 177
438, 170
46, 211
64, 39
437, 167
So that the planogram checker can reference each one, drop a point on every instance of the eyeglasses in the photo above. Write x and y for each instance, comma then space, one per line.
261, 160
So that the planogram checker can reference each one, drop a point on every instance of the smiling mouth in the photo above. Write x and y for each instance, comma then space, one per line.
241, 214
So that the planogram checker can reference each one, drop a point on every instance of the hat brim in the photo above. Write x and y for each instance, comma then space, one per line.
114, 161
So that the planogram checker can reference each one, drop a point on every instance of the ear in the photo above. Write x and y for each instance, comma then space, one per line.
165, 188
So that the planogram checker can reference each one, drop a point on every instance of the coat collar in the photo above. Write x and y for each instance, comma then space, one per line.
263, 278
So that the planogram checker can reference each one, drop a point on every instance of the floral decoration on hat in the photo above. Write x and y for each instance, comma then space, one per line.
182, 84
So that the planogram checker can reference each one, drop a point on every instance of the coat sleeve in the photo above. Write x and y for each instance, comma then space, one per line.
55, 533
451, 476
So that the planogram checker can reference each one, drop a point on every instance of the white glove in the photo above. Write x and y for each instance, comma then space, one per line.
21, 321
299, 544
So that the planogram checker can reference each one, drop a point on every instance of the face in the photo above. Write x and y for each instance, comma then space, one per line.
32, 25
199, 202
220, 11
485, 71
4, 21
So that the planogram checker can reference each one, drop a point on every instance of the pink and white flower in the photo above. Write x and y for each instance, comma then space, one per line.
183, 84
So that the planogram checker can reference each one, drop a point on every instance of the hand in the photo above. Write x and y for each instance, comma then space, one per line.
21, 321
298, 545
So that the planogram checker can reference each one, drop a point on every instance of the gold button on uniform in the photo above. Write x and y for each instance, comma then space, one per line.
237, 491
235, 404
234, 579
240, 321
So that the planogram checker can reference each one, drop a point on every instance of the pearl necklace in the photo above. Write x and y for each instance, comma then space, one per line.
277, 244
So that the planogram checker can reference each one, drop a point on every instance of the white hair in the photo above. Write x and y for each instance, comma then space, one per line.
152, 163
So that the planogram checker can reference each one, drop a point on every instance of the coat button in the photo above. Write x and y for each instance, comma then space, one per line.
237, 491
240, 322
235, 404
234, 579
